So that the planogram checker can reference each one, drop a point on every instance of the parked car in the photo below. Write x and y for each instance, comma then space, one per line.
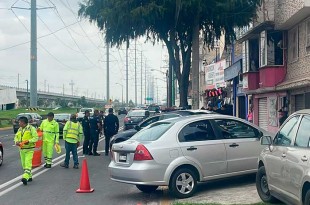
1, 153
125, 135
180, 152
31, 120
37, 118
61, 118
122, 110
284, 169
134, 117
81, 113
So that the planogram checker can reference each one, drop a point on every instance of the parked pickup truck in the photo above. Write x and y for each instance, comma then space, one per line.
81, 114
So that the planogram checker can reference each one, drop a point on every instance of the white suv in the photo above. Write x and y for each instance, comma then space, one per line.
284, 169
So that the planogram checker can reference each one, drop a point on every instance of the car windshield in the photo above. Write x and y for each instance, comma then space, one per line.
23, 115
137, 113
61, 117
84, 109
153, 108
152, 133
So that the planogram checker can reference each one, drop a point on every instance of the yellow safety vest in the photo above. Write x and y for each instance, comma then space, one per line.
73, 130
24, 135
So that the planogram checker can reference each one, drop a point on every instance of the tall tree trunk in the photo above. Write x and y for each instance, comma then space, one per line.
195, 66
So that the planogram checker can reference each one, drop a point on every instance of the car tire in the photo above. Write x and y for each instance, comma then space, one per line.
262, 186
1, 157
307, 197
177, 186
147, 188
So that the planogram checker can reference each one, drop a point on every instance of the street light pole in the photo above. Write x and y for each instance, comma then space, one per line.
27, 95
122, 92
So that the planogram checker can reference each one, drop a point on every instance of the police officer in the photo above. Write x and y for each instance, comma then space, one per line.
86, 131
111, 125
95, 129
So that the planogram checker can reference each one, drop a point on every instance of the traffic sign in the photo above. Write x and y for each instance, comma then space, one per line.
148, 98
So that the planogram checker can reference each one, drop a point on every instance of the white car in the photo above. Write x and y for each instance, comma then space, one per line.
81, 114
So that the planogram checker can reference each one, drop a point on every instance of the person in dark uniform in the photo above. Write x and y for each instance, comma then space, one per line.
111, 125
86, 132
95, 129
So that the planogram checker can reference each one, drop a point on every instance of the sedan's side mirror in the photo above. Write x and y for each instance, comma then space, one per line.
137, 127
266, 140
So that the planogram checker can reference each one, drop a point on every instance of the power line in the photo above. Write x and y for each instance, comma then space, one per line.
45, 48
59, 16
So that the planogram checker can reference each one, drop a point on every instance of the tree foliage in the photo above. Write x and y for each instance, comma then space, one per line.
170, 21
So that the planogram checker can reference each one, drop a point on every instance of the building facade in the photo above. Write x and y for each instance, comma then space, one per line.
276, 61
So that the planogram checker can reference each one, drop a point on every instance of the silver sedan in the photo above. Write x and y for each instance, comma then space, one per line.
179, 152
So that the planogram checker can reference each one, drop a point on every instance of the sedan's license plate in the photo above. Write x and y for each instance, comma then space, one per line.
123, 158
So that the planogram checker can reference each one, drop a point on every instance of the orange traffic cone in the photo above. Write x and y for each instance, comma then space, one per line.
84, 183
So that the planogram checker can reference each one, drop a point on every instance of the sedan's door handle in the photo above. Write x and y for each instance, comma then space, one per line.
304, 158
283, 155
234, 145
192, 148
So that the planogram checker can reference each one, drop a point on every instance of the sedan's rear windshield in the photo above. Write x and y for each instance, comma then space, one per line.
61, 117
153, 132
137, 114
84, 109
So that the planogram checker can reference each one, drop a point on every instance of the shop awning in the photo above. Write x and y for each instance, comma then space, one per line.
232, 71
293, 84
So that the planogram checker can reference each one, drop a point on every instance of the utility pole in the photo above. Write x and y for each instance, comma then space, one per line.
18, 80
108, 73
136, 102
33, 55
145, 96
126, 72
63, 89
44, 85
27, 94
141, 77
72, 84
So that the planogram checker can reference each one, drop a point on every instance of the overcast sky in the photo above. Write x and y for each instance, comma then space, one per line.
69, 50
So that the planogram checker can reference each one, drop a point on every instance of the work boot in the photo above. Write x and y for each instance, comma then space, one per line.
48, 166
45, 165
30, 180
24, 180
64, 165
76, 166
90, 153
96, 154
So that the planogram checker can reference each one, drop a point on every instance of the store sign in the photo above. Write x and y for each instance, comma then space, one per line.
215, 75
245, 82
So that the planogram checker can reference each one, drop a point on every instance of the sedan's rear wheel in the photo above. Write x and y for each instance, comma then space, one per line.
1, 157
146, 188
262, 186
183, 183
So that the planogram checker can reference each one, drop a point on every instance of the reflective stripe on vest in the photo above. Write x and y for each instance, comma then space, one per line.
73, 132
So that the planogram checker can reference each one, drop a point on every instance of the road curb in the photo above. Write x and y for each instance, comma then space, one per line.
5, 128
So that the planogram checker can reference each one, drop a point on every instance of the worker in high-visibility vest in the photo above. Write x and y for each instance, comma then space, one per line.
72, 134
26, 138
50, 129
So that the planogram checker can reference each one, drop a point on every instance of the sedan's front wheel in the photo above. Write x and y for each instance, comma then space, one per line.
183, 183
262, 186
147, 188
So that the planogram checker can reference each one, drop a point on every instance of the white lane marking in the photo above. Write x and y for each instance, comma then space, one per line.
37, 169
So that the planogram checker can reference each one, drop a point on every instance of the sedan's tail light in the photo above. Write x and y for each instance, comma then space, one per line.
142, 153
126, 119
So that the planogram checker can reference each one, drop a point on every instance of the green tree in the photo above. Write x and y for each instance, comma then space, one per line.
175, 22
83, 101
